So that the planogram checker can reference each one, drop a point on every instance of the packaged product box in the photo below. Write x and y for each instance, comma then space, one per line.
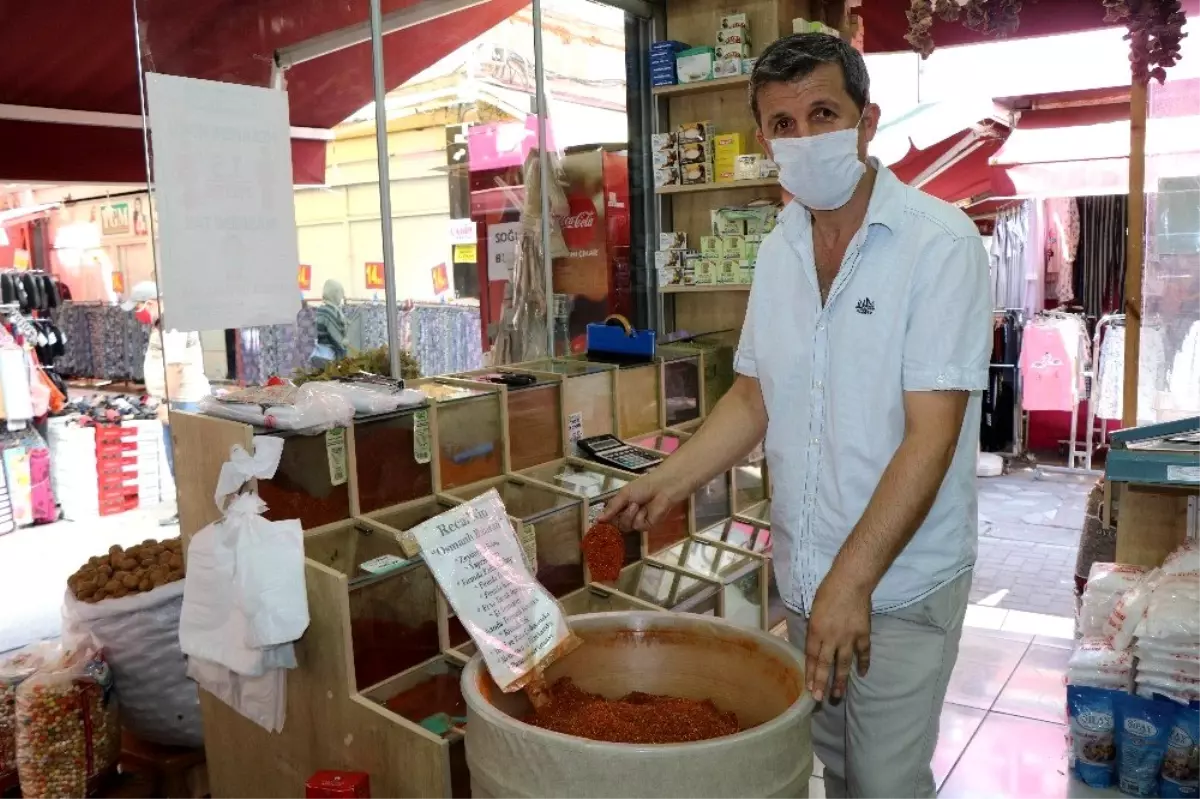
738, 51
724, 174
746, 167
665, 158
733, 246
670, 276
748, 65
726, 224
745, 272
696, 131
695, 65
696, 152
660, 142
666, 176
727, 147
693, 174
710, 247
733, 36
668, 258
768, 169
666, 77
706, 272
727, 67
734, 21
672, 240
728, 271
690, 260
667, 46
753, 242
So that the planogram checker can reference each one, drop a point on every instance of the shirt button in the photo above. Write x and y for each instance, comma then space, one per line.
820, 384
821, 326
815, 441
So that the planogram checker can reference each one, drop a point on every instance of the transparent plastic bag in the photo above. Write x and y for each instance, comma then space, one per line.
1094, 657
1179, 669
68, 726
1185, 560
1107, 583
369, 399
15, 668
310, 411
140, 637
1130, 611
1171, 613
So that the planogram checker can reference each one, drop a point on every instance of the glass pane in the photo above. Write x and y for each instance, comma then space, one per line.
583, 480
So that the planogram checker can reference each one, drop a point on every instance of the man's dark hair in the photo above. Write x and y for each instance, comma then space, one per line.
794, 57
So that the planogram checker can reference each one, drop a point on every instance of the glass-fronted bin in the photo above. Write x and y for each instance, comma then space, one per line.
743, 575
468, 431
594, 484
588, 394
712, 502
549, 524
718, 350
308, 485
398, 521
534, 405
751, 483
392, 459
638, 393
682, 385
671, 589
393, 600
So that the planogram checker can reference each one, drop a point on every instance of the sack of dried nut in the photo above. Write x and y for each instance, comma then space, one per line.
68, 728
15, 669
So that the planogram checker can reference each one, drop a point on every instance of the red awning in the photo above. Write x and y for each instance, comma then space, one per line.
885, 23
969, 177
81, 55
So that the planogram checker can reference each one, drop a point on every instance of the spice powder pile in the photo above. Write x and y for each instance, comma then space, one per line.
636, 718
604, 551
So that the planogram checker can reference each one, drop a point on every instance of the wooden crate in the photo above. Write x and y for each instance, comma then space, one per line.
392, 459
469, 429
588, 394
682, 384
397, 521
536, 422
304, 487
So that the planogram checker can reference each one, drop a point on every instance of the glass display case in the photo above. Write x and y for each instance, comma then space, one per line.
549, 524
664, 441
470, 441
717, 350
712, 503
588, 394
596, 599
535, 416
758, 513
741, 533
305, 486
743, 575
638, 394
594, 484
390, 466
682, 399
393, 600
398, 521
750, 481
671, 589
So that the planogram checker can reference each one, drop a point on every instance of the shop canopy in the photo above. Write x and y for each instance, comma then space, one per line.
74, 56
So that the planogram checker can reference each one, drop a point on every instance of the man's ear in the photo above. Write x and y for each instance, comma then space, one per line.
763, 143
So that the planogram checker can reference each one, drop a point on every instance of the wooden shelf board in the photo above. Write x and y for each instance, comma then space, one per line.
766, 183
705, 289
701, 87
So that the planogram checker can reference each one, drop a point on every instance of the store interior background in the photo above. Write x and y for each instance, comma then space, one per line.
462, 117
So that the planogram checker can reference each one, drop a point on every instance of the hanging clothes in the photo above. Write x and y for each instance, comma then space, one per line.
1054, 356
1062, 242
1009, 263
1099, 274
998, 426
1033, 301
1183, 381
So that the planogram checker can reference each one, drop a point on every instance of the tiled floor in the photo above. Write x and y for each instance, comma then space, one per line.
1002, 731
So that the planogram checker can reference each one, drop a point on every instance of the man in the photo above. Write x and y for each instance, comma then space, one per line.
862, 361
174, 368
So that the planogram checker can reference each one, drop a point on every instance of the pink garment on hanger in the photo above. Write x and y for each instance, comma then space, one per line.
1062, 243
1047, 371
41, 491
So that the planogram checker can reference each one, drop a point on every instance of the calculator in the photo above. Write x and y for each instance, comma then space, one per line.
612, 451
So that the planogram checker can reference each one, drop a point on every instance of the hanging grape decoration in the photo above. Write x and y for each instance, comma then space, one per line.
1155, 27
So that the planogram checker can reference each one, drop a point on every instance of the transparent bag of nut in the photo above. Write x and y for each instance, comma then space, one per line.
15, 668
68, 726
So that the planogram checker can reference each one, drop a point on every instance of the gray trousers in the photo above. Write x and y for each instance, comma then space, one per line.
878, 740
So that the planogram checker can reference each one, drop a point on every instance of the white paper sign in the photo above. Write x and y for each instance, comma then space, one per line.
1183, 474
226, 214
478, 562
462, 231
502, 249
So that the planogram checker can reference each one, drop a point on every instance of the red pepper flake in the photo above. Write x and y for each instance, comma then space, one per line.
604, 550
636, 718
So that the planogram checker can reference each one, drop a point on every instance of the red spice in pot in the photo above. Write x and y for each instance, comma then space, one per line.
604, 550
636, 718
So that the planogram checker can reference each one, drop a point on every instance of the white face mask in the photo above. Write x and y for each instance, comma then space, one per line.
821, 171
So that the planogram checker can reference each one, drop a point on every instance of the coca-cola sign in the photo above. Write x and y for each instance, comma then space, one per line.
579, 226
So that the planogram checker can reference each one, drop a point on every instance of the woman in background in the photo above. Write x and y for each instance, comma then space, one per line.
331, 326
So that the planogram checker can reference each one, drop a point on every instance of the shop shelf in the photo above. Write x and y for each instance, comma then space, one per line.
702, 87
692, 188
389, 467
678, 288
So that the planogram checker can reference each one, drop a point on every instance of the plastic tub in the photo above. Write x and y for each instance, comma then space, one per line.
749, 672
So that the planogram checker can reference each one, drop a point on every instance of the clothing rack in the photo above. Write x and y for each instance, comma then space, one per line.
1018, 315
1095, 443
1076, 454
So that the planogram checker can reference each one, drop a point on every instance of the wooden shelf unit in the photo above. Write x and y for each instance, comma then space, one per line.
729, 185
702, 87
705, 289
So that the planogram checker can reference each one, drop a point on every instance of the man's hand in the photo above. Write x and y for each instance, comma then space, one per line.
641, 504
162, 412
839, 632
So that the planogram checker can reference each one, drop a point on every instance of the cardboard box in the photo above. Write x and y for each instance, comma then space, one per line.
745, 272
696, 152
738, 51
692, 174
710, 247
746, 167
727, 67
727, 146
696, 131
660, 142
734, 21
672, 240
670, 276
728, 271
667, 176
695, 65
733, 246
724, 224
664, 259
706, 272
665, 158
748, 65
733, 36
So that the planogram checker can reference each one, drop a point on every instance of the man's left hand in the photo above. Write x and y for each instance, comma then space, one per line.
839, 632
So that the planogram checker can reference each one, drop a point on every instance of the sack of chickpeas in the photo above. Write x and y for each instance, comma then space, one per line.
68, 728
136, 622
15, 668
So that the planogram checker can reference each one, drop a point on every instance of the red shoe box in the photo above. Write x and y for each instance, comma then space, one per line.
338, 784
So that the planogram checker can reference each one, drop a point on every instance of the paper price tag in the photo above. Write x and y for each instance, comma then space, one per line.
1183, 474
381, 564
335, 450
529, 547
421, 448
595, 510
574, 430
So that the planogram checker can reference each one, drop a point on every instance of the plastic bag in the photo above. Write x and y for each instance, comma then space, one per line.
1185, 560
311, 411
1170, 685
369, 399
1181, 767
15, 668
1142, 730
1091, 713
1171, 612
1129, 612
68, 726
140, 637
1106, 584
1094, 656
1167, 650
1169, 667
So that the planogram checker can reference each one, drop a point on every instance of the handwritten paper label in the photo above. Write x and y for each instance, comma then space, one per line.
479, 564
335, 449
421, 447
574, 430
529, 547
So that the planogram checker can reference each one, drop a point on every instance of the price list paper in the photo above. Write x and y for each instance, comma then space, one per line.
479, 563
226, 214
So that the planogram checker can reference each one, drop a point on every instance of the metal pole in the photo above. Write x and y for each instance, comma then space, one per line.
539, 73
385, 188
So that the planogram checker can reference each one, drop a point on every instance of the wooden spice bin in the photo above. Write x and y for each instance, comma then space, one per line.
711, 504
398, 521
752, 535
536, 424
744, 577
682, 384
392, 459
303, 486
638, 394
671, 589
588, 393
717, 351
469, 431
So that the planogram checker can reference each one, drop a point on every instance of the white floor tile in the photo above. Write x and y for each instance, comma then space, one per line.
1011, 758
985, 662
985, 618
1037, 689
1039, 624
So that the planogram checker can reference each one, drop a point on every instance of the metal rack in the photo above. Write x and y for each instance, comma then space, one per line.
1095, 443
1076, 454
